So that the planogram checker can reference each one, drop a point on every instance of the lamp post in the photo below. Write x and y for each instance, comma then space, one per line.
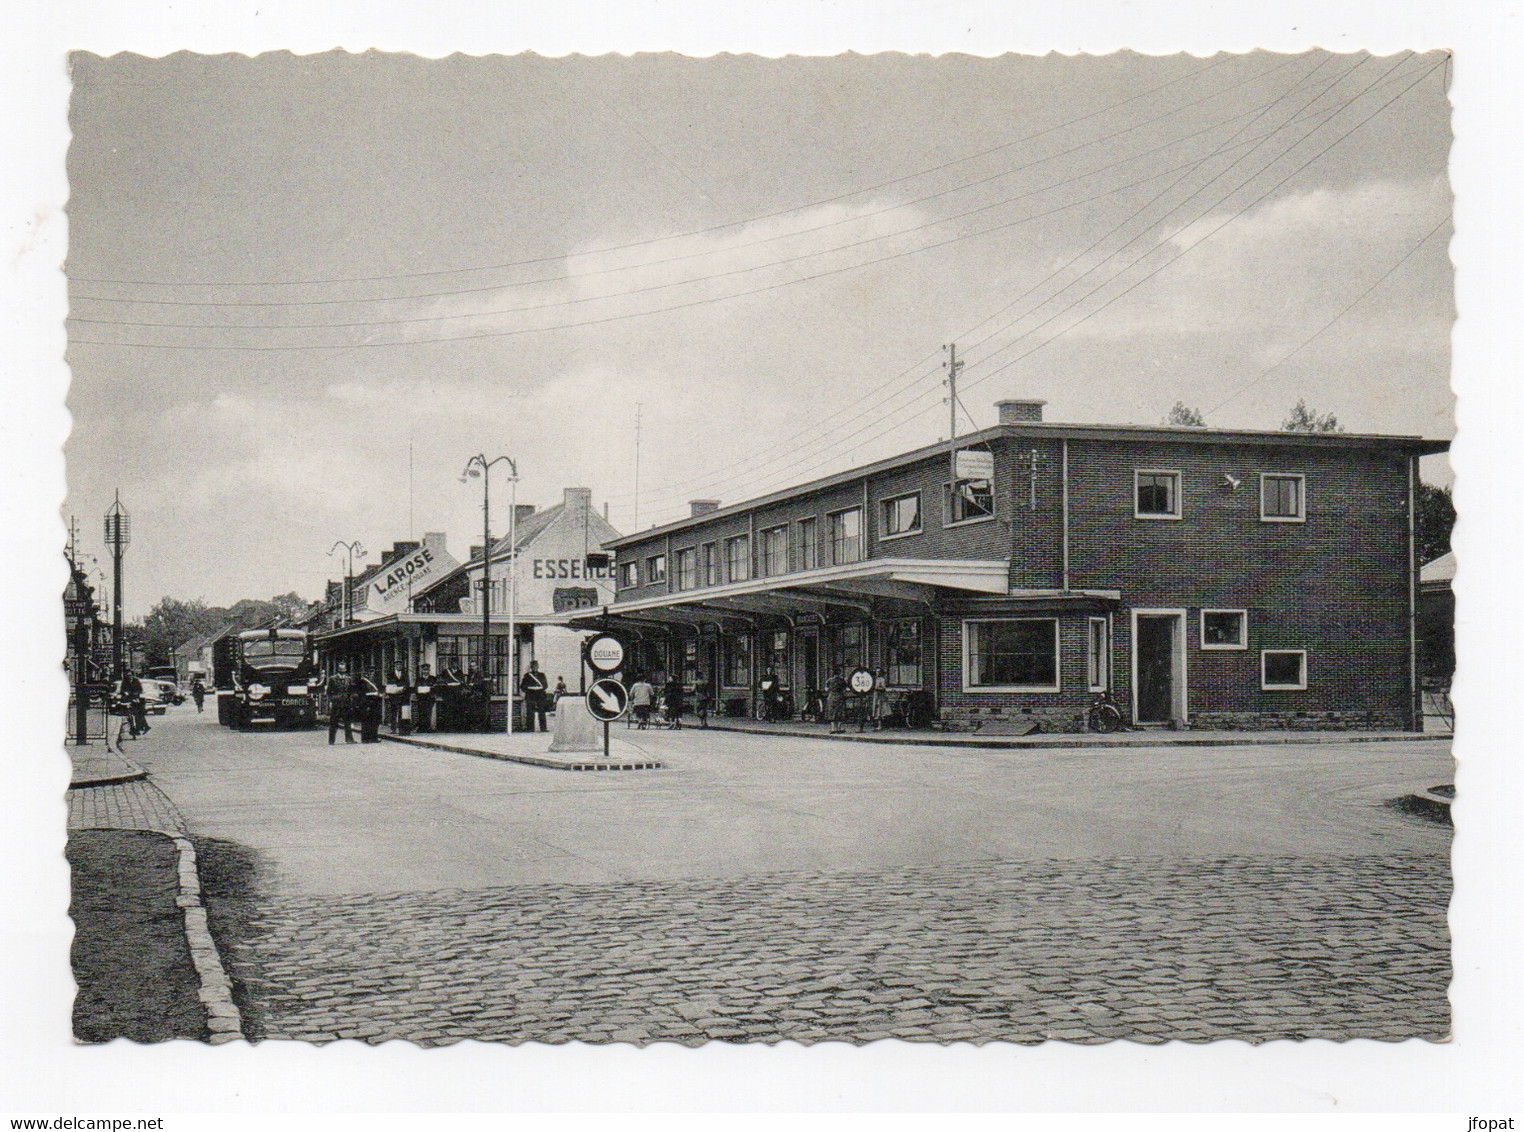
352, 550
479, 466
118, 536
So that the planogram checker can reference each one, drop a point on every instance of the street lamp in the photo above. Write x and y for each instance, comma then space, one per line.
118, 535
478, 467
352, 550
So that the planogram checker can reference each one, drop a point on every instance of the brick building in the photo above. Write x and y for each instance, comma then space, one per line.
1204, 577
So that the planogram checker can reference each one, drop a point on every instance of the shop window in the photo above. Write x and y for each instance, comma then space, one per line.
1283, 670
845, 529
690, 663
1016, 655
738, 661
738, 558
776, 658
902, 515
1282, 498
902, 654
709, 564
1224, 629
656, 569
809, 544
774, 552
1098, 654
848, 649
629, 575
1156, 494
687, 568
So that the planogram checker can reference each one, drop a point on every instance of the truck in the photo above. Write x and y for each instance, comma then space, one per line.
271, 678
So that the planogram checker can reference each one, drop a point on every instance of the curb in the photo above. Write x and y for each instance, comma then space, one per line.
526, 760
109, 780
223, 1020
1251, 739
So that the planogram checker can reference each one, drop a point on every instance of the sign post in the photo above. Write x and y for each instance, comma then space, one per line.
607, 700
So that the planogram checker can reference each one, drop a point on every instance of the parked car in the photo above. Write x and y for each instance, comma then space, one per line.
153, 698
171, 691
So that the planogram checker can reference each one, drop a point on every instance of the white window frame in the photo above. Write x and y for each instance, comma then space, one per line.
1266, 686
1101, 654
711, 564
1301, 497
1177, 493
861, 538
766, 571
677, 573
884, 506
809, 542
1041, 689
744, 559
1243, 634
947, 508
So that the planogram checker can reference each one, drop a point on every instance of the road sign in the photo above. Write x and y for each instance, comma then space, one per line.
605, 653
607, 700
861, 681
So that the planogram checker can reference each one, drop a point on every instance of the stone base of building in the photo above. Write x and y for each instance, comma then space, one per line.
1296, 721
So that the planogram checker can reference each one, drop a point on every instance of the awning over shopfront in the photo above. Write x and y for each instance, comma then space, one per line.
460, 624
879, 586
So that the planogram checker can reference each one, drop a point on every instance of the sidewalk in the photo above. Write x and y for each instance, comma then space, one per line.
94, 765
529, 748
1043, 740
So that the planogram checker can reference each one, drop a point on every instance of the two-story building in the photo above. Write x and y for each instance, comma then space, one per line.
1201, 577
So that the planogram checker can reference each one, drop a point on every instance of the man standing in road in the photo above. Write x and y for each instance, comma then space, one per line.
341, 704
534, 688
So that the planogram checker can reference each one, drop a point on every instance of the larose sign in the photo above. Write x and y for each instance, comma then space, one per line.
388, 591
605, 653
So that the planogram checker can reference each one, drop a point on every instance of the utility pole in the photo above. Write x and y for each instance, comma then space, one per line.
953, 365
118, 535
636, 525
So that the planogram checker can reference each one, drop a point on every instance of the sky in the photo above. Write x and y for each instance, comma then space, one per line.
305, 289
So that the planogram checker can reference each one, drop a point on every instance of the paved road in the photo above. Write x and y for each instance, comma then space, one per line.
763, 889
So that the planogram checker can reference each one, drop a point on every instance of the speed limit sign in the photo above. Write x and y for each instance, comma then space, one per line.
861, 681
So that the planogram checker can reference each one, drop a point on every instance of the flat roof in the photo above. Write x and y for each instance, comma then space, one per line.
1032, 430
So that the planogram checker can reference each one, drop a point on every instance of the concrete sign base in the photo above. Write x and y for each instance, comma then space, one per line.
576, 730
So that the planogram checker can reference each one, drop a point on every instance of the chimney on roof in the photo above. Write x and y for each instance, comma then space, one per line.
435, 541
1020, 410
577, 500
697, 507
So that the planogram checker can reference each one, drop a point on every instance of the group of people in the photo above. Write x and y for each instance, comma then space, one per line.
450, 701
841, 704
643, 703
129, 701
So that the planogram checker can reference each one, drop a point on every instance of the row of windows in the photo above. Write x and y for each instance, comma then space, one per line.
839, 543
1022, 655
1282, 495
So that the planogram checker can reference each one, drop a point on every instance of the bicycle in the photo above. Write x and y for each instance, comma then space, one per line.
1104, 716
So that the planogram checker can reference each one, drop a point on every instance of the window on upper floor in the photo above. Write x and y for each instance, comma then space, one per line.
687, 568
656, 569
969, 501
845, 532
738, 558
774, 551
1156, 494
809, 544
901, 516
1224, 629
709, 564
1282, 497
629, 575
1283, 670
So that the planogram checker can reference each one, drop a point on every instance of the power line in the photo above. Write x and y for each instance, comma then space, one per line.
699, 231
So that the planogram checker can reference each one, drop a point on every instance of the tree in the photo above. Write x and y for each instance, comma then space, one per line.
1304, 419
1433, 519
172, 622
1182, 416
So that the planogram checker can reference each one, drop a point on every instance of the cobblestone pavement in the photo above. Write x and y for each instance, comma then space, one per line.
1147, 949
124, 805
